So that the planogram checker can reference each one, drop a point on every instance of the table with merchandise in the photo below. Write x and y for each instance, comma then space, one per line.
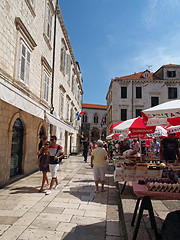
162, 189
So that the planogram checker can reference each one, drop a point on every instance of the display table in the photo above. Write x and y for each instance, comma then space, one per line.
124, 175
146, 196
121, 174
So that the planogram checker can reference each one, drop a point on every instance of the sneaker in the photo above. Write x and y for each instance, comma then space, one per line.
48, 192
56, 187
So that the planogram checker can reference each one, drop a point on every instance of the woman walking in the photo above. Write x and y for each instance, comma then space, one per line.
44, 163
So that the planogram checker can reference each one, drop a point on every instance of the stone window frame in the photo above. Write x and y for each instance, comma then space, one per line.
51, 8
46, 70
61, 101
175, 92
23, 35
123, 87
95, 118
31, 6
137, 92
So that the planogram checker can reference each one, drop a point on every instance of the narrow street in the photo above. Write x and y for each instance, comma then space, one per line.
73, 211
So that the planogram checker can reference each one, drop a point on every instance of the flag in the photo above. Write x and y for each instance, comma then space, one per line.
102, 121
78, 116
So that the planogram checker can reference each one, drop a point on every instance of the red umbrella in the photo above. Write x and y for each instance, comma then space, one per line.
135, 126
113, 125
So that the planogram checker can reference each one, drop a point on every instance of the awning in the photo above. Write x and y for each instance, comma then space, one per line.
56, 122
13, 96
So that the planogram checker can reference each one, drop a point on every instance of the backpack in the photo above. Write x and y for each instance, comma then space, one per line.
171, 226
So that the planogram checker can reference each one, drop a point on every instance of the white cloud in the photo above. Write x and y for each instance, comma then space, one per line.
158, 9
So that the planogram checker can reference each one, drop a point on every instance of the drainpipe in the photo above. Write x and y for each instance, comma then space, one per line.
53, 62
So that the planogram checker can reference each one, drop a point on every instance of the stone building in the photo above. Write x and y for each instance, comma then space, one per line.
128, 95
93, 121
40, 84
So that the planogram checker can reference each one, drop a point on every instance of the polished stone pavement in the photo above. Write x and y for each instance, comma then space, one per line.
72, 212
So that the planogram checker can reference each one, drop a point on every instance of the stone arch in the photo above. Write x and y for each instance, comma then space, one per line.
95, 134
13, 136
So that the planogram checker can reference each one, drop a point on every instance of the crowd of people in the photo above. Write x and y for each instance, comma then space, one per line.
50, 155
168, 149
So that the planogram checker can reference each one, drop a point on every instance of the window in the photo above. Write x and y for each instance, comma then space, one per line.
123, 92
84, 119
65, 63
95, 118
123, 114
171, 74
138, 112
154, 101
24, 63
67, 110
172, 92
138, 92
45, 86
62, 105
48, 23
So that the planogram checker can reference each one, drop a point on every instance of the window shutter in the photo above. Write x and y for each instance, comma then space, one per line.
22, 62
61, 66
27, 66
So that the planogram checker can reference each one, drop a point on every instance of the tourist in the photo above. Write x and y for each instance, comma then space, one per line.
56, 155
98, 162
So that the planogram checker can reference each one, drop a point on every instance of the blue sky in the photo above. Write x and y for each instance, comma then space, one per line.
114, 38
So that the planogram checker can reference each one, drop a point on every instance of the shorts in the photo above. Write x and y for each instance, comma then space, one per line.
53, 169
99, 171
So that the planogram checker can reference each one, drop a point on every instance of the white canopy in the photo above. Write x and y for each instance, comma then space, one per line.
57, 122
160, 114
13, 96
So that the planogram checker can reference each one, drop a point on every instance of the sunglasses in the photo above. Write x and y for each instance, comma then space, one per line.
52, 139
47, 144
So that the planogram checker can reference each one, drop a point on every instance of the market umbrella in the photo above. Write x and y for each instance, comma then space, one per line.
174, 129
163, 114
135, 126
160, 132
113, 126
113, 136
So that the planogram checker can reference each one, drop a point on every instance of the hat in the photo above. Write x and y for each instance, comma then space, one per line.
99, 143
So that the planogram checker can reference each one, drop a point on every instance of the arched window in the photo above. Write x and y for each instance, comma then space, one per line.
95, 118
85, 118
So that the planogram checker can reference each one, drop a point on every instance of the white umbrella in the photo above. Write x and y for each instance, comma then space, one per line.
160, 131
163, 114
173, 129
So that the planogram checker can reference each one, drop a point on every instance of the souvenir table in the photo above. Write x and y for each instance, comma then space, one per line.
124, 175
146, 196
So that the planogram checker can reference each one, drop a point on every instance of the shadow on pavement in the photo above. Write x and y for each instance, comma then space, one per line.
145, 230
94, 231
24, 190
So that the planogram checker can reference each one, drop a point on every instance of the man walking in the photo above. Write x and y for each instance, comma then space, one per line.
55, 156
98, 162
85, 146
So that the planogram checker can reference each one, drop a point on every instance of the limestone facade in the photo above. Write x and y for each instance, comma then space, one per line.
40, 84
127, 96
94, 121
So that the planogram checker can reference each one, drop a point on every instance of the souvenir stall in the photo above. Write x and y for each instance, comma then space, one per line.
167, 186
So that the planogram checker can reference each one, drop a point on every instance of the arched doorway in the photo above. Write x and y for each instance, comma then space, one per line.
16, 148
95, 134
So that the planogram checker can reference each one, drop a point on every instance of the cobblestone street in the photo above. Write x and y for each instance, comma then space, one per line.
73, 211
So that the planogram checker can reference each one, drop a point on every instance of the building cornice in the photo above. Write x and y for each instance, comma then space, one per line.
22, 28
